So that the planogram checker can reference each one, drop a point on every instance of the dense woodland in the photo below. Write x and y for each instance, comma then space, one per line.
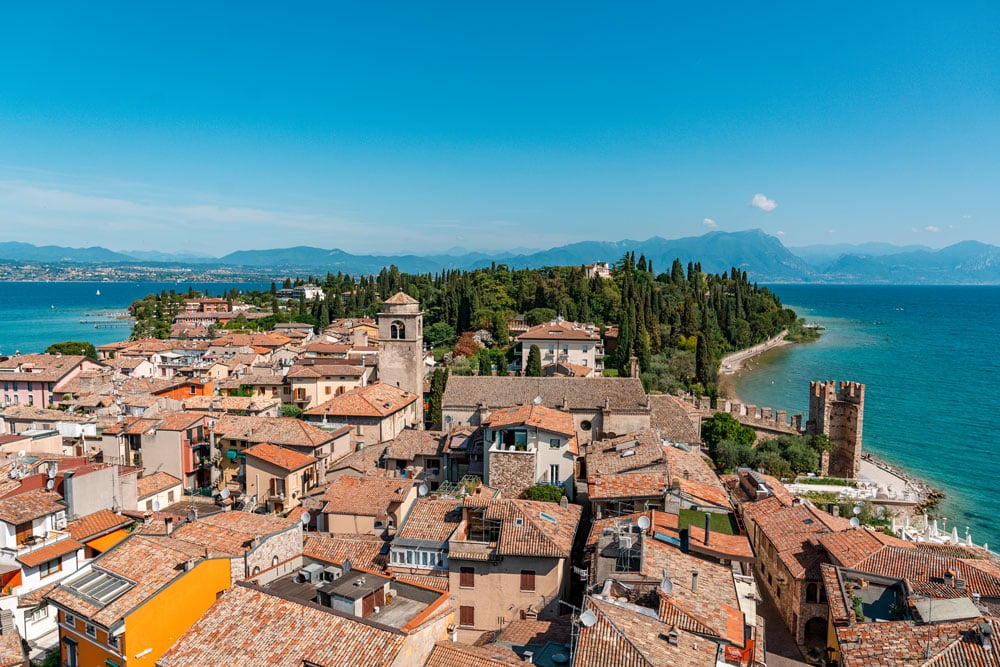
677, 323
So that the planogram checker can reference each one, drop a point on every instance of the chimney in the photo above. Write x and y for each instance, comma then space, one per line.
529, 656
694, 581
949, 578
168, 523
708, 527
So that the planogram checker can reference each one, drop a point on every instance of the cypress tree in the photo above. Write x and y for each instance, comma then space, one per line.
534, 366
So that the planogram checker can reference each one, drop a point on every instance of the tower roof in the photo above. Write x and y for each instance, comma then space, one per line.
401, 298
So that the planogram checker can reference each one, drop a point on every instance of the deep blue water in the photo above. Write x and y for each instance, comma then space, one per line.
929, 358
33, 315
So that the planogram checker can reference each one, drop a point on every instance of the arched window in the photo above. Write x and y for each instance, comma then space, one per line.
397, 330
812, 593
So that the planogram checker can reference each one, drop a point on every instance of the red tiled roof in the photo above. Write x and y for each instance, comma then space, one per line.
30, 505
365, 496
287, 459
49, 552
364, 551
151, 484
96, 524
283, 633
453, 654
375, 400
627, 485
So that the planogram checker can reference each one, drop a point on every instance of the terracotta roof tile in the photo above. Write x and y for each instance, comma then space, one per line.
151, 562
287, 459
627, 485
12, 650
96, 524
284, 431
432, 520
563, 393
365, 496
905, 644
151, 484
557, 330
375, 400
30, 505
411, 443
283, 633
452, 654
528, 527
627, 637
605, 456
49, 552
364, 551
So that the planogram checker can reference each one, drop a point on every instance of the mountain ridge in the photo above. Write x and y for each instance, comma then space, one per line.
762, 256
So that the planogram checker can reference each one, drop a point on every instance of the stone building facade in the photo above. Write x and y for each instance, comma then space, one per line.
837, 411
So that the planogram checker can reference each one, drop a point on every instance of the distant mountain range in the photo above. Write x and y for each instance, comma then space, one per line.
762, 256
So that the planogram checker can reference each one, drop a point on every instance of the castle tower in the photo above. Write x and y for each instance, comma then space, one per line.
837, 411
401, 347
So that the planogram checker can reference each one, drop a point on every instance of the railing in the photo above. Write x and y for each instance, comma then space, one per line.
35, 542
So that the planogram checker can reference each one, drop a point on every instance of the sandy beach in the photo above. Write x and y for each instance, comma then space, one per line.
732, 363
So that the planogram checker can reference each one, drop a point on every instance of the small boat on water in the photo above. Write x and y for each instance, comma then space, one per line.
98, 292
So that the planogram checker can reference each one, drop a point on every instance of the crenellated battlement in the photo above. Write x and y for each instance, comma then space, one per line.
837, 411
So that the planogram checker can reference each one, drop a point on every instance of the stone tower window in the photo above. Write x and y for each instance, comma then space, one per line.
397, 330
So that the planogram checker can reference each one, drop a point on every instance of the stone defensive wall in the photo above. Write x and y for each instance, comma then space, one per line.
767, 422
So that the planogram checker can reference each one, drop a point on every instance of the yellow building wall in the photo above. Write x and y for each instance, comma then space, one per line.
170, 613
105, 542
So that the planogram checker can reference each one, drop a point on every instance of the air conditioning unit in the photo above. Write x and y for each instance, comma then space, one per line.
61, 524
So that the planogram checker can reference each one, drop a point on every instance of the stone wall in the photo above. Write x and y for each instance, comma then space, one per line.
512, 472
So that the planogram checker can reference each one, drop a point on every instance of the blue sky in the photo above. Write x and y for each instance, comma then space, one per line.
418, 127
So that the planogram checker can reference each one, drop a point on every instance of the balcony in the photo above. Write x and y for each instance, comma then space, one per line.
34, 543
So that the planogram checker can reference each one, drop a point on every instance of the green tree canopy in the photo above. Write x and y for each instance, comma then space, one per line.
723, 426
547, 493
73, 347
534, 366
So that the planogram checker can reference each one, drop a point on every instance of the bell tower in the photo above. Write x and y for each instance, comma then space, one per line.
401, 347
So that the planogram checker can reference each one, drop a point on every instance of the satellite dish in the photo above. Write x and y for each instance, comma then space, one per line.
856, 510
13, 473
156, 505
667, 586
855, 522
192, 515
224, 494
52, 471
538, 401
588, 619
644, 522
49, 485
306, 518
22, 453
422, 490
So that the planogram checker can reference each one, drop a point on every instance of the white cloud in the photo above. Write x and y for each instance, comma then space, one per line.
932, 229
763, 203
780, 233
708, 222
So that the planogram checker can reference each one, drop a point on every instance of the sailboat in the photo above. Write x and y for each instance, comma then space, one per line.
98, 292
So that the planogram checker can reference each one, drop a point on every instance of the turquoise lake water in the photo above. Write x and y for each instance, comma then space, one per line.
33, 315
928, 356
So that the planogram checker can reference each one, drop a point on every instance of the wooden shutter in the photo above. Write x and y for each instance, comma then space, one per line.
467, 577
527, 580
467, 616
